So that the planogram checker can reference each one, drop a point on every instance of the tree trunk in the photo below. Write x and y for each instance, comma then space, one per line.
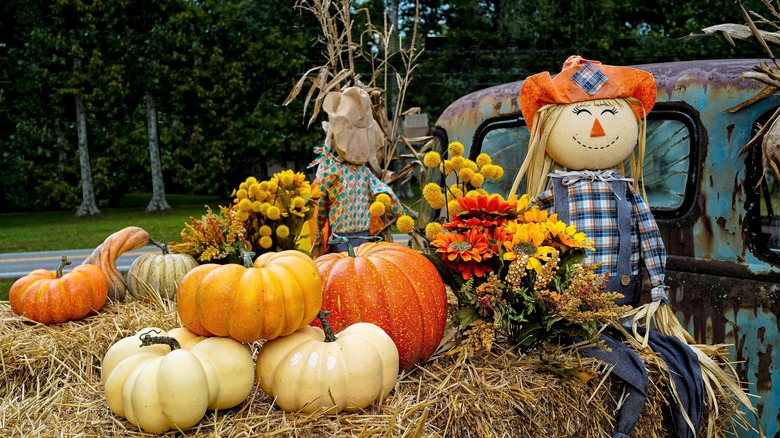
402, 187
158, 202
88, 206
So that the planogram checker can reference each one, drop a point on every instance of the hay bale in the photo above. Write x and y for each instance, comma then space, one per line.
50, 386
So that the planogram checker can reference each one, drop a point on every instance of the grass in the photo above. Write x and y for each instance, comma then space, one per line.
51, 231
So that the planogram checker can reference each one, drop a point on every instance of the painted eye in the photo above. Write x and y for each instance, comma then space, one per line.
577, 110
612, 111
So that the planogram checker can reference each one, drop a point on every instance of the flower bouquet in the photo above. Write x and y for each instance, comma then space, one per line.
514, 269
265, 216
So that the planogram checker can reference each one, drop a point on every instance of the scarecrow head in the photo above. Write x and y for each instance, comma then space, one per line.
590, 116
351, 128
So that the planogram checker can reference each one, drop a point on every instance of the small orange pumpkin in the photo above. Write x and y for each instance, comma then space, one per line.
53, 297
276, 296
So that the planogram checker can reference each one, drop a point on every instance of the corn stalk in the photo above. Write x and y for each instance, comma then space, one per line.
341, 50
768, 136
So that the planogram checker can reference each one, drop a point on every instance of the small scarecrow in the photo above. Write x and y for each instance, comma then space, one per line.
584, 123
344, 176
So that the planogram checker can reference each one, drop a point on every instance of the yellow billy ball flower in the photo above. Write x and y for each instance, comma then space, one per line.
376, 209
457, 163
438, 202
273, 186
455, 149
465, 174
477, 180
483, 159
405, 224
254, 190
273, 213
250, 180
242, 193
499, 172
244, 205
266, 242
432, 159
446, 167
298, 202
453, 207
242, 186
264, 186
431, 190
483, 192
384, 198
242, 216
472, 194
265, 230
282, 231
433, 229
470, 164
257, 206
264, 208
488, 170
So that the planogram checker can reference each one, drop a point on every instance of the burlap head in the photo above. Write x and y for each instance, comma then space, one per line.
356, 135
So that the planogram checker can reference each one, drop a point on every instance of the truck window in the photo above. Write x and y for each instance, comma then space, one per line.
667, 167
506, 142
763, 202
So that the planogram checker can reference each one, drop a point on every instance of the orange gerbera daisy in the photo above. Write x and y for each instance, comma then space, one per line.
465, 252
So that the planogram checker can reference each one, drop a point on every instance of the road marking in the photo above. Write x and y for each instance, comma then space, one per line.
32, 259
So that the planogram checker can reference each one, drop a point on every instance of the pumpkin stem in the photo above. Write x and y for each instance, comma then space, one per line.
345, 239
65, 262
246, 256
163, 246
147, 339
323, 317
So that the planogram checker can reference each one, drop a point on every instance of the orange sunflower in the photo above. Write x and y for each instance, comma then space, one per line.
528, 239
467, 253
484, 211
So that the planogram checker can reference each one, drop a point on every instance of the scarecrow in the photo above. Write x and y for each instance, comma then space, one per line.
344, 175
584, 123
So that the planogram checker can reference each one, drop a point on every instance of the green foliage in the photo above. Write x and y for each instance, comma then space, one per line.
219, 70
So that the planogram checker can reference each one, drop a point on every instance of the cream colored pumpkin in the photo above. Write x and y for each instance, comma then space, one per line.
157, 389
306, 371
160, 272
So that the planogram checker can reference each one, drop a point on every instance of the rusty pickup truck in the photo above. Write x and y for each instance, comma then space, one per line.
716, 214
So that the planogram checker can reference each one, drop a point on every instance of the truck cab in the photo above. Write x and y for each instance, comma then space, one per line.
714, 209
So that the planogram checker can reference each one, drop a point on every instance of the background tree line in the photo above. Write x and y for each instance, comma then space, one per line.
215, 72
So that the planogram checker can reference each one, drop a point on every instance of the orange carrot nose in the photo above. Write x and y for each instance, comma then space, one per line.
597, 130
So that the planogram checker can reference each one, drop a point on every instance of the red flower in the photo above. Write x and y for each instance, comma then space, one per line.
484, 211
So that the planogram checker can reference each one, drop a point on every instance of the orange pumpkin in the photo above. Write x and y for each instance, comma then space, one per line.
53, 297
276, 296
389, 285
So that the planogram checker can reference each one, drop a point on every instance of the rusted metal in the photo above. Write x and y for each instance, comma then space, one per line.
724, 281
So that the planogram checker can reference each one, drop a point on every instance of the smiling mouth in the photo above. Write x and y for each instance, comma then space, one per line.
591, 147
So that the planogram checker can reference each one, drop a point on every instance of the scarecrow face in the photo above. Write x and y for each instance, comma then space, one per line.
593, 135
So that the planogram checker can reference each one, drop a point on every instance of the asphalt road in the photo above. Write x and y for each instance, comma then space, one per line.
17, 265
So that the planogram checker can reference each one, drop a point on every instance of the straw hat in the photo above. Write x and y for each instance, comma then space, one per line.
352, 127
581, 80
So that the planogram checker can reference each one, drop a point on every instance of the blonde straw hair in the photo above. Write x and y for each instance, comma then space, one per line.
537, 163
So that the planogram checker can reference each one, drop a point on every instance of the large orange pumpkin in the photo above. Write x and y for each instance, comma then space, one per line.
389, 285
53, 297
276, 296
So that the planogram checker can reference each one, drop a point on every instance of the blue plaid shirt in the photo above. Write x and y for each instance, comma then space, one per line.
593, 210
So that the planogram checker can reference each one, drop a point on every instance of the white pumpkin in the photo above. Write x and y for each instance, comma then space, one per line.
312, 369
158, 389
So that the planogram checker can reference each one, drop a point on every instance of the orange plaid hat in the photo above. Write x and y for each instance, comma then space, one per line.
581, 80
